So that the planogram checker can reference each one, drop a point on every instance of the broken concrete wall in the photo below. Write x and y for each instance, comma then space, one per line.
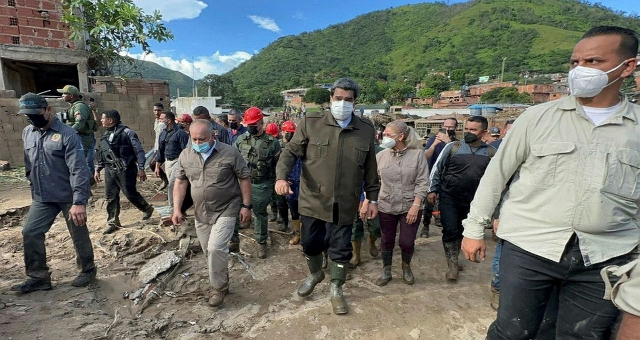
133, 98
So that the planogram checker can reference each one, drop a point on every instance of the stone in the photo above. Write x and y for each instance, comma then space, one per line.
156, 266
4, 165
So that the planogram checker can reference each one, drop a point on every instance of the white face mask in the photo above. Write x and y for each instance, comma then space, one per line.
341, 110
162, 126
587, 82
387, 142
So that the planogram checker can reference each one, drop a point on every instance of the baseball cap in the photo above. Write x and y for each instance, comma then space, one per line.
70, 89
494, 131
252, 115
31, 104
185, 118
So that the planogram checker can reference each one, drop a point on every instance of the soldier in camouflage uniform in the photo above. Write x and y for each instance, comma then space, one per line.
80, 117
260, 150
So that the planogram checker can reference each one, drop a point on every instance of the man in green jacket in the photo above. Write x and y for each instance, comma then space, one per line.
338, 156
260, 151
80, 117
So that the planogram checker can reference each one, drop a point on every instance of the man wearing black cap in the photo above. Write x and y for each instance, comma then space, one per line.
56, 168
201, 112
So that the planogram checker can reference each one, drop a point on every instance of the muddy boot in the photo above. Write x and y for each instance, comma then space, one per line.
274, 213
425, 231
373, 249
325, 259
283, 219
296, 233
355, 260
217, 296
495, 298
451, 251
387, 256
407, 274
262, 251
317, 275
338, 276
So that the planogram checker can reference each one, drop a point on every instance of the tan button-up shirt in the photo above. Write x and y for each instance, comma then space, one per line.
569, 176
402, 178
214, 182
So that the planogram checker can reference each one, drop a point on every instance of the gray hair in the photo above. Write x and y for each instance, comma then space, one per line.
346, 84
236, 113
205, 122
411, 138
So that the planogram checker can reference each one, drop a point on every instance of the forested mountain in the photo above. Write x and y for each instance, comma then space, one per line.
404, 45
134, 68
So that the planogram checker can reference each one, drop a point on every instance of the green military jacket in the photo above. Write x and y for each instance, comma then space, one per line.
80, 118
261, 154
337, 164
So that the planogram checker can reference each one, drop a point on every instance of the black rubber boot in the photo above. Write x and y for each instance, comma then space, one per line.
387, 257
451, 251
338, 276
317, 275
325, 259
407, 274
283, 220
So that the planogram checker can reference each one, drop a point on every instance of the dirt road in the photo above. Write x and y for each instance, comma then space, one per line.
264, 307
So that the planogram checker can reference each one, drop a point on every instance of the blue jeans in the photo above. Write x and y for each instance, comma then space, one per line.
495, 267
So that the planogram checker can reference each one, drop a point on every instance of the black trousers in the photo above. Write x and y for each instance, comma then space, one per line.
451, 215
528, 282
125, 182
318, 236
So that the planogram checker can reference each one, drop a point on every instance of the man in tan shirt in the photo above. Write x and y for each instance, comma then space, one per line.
221, 191
572, 205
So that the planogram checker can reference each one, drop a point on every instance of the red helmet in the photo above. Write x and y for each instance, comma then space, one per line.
272, 129
289, 126
252, 115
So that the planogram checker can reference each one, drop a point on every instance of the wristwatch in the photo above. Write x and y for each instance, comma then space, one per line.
373, 202
250, 206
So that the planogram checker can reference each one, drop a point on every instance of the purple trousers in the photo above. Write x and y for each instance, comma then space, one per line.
388, 227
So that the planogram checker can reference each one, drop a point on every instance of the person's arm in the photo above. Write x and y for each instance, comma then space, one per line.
25, 155
183, 139
81, 116
430, 147
438, 167
162, 147
294, 149
137, 148
79, 177
179, 191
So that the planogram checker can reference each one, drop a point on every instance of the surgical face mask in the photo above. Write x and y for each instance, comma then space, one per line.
201, 148
387, 142
38, 121
253, 129
470, 137
341, 110
162, 126
587, 82
233, 125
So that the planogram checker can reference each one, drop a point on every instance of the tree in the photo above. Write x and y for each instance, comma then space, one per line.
317, 95
371, 91
459, 77
427, 92
221, 85
110, 27
505, 95
437, 82
398, 92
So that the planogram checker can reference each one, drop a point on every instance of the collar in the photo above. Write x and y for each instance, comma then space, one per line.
348, 124
625, 110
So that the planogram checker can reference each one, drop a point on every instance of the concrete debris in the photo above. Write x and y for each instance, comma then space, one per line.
4, 165
156, 266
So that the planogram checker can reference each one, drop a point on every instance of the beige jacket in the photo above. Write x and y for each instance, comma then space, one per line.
402, 177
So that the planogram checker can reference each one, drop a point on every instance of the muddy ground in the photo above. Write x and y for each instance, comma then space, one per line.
262, 303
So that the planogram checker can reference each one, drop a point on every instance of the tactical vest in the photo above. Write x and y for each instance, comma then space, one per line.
70, 118
255, 152
120, 144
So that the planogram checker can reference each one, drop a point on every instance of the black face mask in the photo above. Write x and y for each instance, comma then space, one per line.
253, 130
233, 125
37, 120
470, 137
288, 136
451, 133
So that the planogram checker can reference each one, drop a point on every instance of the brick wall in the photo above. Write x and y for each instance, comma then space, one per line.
136, 110
33, 23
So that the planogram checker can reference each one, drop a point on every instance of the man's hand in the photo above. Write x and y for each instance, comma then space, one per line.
142, 176
78, 214
283, 187
156, 172
431, 198
474, 250
245, 215
177, 217
495, 225
412, 215
96, 176
372, 211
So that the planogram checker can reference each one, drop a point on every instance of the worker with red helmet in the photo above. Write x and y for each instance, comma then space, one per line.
288, 128
272, 129
260, 150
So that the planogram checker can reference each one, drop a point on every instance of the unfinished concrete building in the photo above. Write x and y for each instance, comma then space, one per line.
36, 54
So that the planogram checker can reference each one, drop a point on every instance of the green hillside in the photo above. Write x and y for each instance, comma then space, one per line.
150, 70
405, 44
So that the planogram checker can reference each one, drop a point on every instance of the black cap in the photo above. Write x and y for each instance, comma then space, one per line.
31, 104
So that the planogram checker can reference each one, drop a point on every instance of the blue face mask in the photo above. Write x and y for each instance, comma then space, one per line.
201, 148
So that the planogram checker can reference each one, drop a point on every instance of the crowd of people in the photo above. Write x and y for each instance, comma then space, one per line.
562, 193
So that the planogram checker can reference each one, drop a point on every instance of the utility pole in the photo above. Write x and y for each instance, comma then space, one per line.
502, 74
